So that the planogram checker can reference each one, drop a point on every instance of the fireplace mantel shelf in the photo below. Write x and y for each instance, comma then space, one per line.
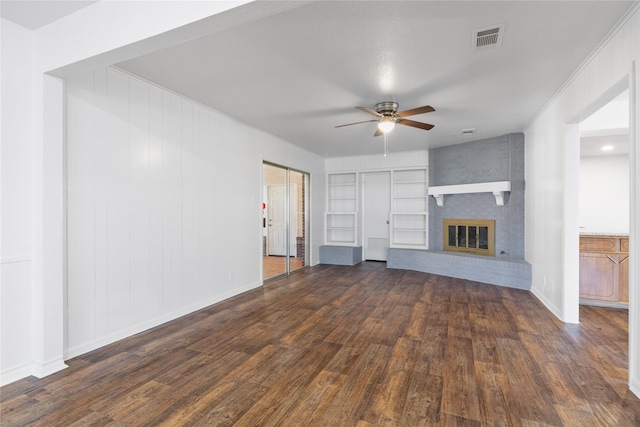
498, 188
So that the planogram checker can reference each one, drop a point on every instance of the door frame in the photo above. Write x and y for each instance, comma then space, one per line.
305, 194
571, 228
363, 175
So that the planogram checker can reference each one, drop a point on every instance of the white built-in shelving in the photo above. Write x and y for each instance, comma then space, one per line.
409, 215
342, 207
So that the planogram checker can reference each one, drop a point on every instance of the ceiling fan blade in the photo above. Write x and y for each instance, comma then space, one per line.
415, 111
370, 111
357, 123
412, 123
378, 132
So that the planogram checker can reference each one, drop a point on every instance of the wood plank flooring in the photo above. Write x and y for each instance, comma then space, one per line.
355, 346
275, 265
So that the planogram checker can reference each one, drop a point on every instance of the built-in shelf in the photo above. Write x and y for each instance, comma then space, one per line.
342, 206
409, 216
497, 188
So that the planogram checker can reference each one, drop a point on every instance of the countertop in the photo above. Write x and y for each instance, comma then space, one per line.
602, 233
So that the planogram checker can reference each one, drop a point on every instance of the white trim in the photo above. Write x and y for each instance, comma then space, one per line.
41, 370
571, 228
15, 374
38, 370
634, 232
595, 52
634, 386
144, 326
497, 188
552, 308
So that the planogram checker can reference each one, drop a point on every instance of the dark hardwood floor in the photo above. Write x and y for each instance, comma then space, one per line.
350, 346
275, 265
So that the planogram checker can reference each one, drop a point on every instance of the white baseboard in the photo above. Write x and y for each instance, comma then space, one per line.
551, 307
41, 370
15, 374
38, 370
152, 323
634, 386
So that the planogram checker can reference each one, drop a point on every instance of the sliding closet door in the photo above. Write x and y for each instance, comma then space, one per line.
298, 191
285, 194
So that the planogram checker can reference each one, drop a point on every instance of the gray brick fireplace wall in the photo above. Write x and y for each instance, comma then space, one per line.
494, 159
488, 160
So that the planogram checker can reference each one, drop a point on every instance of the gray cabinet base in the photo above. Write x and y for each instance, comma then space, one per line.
340, 255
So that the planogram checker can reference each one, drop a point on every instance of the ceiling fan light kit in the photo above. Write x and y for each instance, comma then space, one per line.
386, 124
388, 116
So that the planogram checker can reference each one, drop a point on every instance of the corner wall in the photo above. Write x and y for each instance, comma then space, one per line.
552, 163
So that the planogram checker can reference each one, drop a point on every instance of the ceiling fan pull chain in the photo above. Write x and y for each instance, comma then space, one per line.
386, 147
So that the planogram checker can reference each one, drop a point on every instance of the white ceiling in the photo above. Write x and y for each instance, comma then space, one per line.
607, 127
33, 14
300, 72
592, 145
611, 119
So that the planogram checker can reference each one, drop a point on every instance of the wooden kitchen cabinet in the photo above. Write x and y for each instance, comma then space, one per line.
604, 268
624, 270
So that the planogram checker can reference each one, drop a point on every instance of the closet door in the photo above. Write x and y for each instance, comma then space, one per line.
284, 220
376, 203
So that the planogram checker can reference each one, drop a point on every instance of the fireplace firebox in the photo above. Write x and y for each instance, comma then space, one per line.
470, 236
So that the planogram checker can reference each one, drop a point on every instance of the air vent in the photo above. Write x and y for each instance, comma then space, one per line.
488, 37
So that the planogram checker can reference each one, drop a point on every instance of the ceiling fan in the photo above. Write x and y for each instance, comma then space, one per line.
388, 116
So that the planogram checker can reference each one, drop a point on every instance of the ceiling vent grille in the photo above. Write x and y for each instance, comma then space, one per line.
488, 37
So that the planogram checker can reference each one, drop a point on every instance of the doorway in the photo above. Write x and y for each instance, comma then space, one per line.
285, 222
604, 205
376, 202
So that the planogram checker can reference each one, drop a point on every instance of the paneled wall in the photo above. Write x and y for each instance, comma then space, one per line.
16, 202
551, 171
552, 167
164, 199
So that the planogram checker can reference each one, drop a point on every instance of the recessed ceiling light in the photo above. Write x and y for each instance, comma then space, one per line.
607, 147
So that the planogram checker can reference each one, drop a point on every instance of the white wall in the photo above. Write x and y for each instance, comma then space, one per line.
604, 194
85, 41
551, 171
164, 206
15, 199
378, 161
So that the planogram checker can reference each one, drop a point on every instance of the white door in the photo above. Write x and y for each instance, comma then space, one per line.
293, 218
277, 220
376, 194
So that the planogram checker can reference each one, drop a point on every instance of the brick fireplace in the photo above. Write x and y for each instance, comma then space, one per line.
493, 171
